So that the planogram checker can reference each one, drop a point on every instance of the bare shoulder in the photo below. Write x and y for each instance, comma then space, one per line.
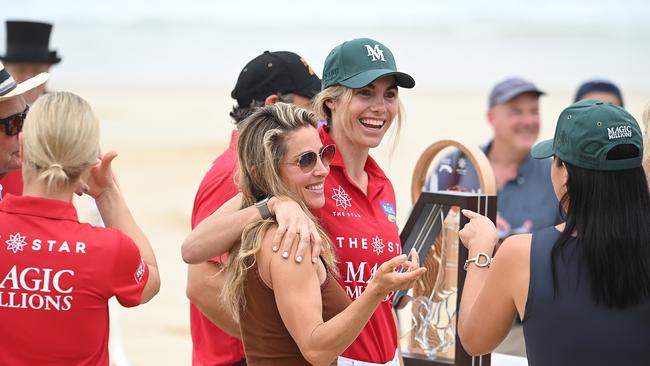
266, 250
515, 248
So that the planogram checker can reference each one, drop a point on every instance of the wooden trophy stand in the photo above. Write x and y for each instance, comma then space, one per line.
429, 231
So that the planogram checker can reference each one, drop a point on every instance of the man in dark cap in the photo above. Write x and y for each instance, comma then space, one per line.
602, 90
269, 78
28, 53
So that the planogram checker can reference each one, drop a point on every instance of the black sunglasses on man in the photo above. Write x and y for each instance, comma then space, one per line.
14, 123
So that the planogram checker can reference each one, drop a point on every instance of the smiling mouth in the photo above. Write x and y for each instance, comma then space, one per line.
372, 123
315, 187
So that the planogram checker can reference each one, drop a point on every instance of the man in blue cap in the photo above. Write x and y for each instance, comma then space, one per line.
526, 200
598, 89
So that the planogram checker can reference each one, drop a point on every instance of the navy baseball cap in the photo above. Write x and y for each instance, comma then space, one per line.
511, 88
591, 86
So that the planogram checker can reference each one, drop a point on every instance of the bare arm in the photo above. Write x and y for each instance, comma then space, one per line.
216, 234
116, 214
204, 284
492, 296
297, 291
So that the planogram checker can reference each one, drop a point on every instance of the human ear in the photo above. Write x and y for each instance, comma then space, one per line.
271, 99
331, 104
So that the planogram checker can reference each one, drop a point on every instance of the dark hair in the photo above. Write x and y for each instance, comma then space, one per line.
609, 212
238, 113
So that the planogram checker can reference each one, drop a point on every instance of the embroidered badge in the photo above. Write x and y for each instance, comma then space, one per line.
377, 245
16, 242
342, 199
389, 210
376, 53
139, 273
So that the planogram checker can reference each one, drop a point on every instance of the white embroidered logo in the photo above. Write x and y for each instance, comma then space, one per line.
377, 245
619, 132
16, 243
139, 273
342, 199
375, 52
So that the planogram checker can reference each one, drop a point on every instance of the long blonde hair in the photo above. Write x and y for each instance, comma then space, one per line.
60, 139
260, 148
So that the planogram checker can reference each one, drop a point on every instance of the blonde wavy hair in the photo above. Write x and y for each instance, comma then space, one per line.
260, 148
60, 139
343, 96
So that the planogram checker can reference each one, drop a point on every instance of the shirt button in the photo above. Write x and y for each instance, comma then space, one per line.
520, 180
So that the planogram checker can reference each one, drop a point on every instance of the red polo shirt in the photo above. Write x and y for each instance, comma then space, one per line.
12, 183
212, 346
56, 276
363, 229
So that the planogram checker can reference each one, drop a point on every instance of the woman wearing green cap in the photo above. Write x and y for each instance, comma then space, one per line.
582, 288
360, 102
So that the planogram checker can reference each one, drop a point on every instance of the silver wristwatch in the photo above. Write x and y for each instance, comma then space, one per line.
263, 208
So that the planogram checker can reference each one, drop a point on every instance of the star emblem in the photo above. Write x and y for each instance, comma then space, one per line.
342, 199
16, 242
377, 245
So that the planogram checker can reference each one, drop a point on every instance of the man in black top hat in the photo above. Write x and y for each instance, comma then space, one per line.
28, 53
269, 78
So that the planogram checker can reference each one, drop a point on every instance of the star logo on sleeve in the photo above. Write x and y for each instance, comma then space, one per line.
16, 243
342, 199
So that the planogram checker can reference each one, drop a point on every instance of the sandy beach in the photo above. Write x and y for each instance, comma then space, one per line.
167, 137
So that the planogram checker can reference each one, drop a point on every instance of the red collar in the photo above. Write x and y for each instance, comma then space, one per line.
40, 207
233, 139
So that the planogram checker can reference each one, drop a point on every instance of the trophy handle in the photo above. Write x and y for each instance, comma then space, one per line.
476, 156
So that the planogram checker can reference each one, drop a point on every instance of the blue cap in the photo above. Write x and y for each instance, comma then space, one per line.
510, 88
598, 86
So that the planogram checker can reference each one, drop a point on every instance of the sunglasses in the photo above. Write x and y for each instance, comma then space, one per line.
307, 161
14, 123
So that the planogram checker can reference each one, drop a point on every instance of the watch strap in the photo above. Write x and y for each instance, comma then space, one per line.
263, 208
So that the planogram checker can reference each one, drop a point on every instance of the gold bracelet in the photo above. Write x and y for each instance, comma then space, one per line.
477, 261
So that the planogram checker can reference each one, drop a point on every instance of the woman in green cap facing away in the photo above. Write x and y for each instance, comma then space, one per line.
360, 102
580, 287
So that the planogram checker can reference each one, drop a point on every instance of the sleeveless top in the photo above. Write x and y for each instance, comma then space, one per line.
266, 340
571, 329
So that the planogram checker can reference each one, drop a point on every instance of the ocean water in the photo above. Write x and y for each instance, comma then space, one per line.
444, 44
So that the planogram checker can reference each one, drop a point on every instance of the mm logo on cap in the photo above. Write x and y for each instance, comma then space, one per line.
375, 52
619, 132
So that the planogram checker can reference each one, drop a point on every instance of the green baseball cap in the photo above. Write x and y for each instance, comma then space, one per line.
587, 130
359, 62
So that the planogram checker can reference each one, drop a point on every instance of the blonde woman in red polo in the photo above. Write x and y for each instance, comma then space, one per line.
360, 102
56, 274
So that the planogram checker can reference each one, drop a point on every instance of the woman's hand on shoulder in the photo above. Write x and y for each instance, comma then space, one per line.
396, 274
294, 223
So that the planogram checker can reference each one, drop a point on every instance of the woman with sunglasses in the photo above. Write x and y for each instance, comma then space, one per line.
57, 274
360, 102
293, 313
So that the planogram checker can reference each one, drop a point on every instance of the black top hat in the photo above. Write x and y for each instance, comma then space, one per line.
29, 42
